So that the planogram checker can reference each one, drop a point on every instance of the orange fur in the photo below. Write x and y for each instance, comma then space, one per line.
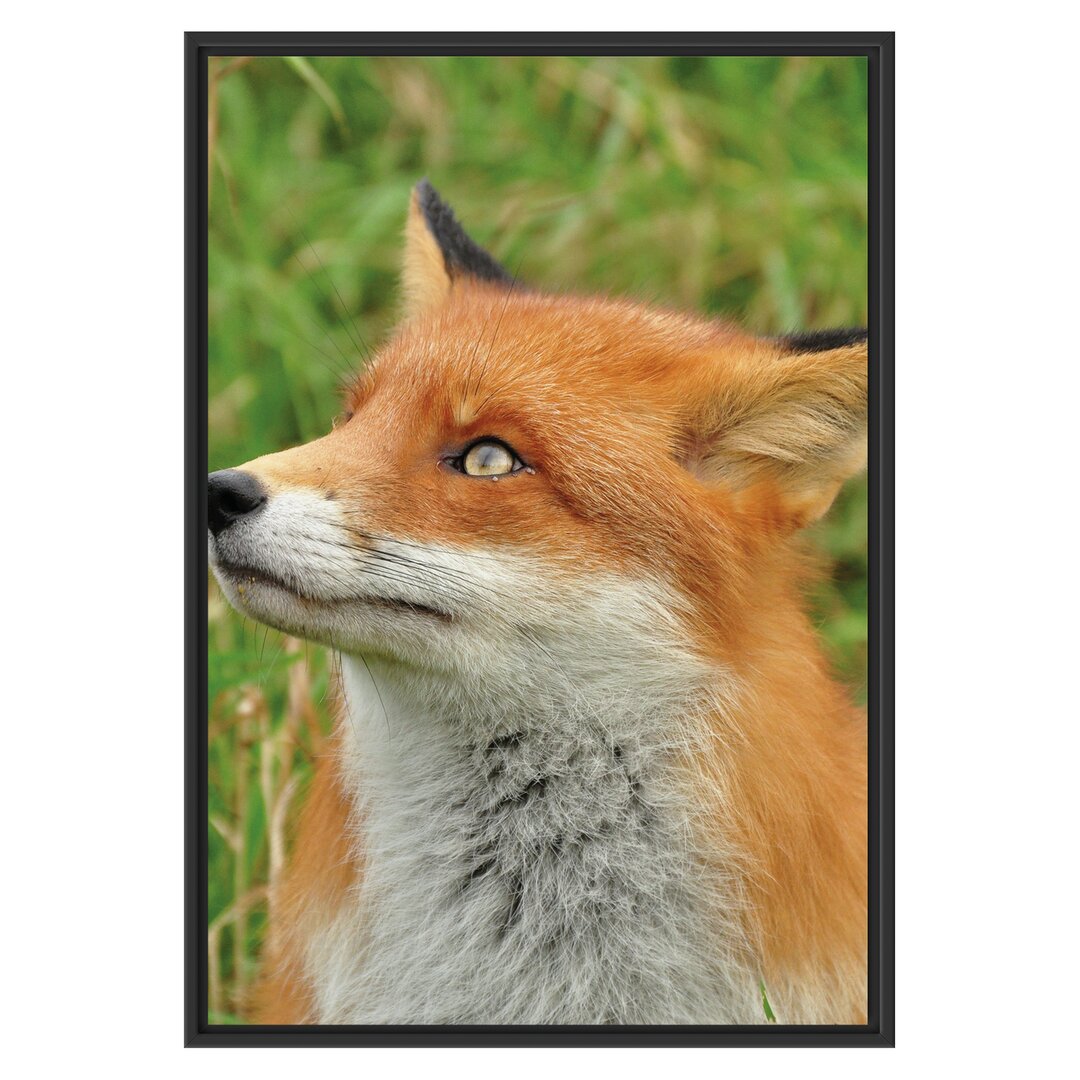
794, 762
321, 872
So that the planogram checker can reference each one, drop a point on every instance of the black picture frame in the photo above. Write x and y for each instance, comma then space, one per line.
878, 48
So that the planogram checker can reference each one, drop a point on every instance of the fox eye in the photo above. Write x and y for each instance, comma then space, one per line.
488, 458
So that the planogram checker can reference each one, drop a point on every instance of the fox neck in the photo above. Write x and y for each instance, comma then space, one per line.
528, 864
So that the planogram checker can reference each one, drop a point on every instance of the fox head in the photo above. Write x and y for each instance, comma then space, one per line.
523, 479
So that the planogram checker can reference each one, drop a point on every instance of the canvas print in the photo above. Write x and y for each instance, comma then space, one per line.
537, 522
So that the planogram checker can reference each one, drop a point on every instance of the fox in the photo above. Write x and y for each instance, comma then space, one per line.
590, 765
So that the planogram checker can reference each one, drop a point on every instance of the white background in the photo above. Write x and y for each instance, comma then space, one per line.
986, 510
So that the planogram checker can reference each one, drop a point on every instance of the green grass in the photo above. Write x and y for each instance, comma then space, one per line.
766, 1008
734, 186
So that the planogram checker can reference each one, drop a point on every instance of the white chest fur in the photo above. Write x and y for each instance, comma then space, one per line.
543, 869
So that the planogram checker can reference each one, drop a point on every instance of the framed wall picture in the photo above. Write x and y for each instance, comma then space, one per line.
540, 539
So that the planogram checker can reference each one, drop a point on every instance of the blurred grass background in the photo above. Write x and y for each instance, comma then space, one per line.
731, 185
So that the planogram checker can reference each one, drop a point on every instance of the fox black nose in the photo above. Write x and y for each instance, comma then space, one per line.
231, 494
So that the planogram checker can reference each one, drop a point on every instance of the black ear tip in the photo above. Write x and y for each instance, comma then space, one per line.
460, 252
435, 210
811, 341
431, 202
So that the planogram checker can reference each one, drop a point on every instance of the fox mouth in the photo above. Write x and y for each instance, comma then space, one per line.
240, 575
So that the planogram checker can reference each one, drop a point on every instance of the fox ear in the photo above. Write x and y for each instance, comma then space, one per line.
789, 419
439, 252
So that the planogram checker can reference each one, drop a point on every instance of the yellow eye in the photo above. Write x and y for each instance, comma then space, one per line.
489, 458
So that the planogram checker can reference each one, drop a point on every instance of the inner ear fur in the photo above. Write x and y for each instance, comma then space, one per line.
438, 252
786, 419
